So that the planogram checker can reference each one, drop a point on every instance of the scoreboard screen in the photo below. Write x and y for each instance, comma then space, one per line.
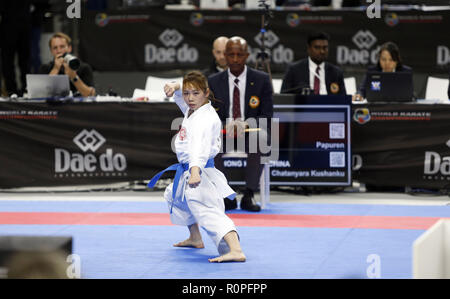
314, 143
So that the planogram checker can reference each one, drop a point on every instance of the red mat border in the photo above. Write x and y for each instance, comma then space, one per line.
252, 220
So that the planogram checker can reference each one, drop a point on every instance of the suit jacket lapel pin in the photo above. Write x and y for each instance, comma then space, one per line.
254, 102
251, 83
334, 87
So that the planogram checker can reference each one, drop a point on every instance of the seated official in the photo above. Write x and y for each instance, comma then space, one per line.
314, 73
81, 80
242, 93
389, 60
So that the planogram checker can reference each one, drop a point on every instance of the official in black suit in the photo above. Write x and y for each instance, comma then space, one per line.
249, 97
389, 60
314, 73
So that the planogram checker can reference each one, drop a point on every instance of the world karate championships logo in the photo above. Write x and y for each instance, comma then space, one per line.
391, 19
254, 102
293, 20
101, 19
361, 115
197, 19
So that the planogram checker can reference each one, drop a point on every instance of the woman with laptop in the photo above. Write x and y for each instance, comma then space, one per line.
389, 61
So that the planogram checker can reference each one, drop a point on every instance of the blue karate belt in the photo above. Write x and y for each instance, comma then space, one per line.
180, 168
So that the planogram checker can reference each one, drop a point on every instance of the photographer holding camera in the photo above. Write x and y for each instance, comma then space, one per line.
80, 74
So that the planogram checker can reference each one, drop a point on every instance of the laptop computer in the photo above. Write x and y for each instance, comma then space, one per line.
389, 87
47, 86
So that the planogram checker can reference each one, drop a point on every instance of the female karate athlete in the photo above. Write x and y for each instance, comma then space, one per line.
195, 197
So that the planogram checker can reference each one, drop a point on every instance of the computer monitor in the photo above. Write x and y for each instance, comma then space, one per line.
389, 87
47, 86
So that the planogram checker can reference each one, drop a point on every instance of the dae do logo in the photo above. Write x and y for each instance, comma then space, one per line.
279, 54
89, 161
171, 52
364, 54
437, 166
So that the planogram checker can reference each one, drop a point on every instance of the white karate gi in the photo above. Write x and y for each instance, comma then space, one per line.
199, 140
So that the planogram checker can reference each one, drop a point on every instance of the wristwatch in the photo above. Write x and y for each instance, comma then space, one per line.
75, 79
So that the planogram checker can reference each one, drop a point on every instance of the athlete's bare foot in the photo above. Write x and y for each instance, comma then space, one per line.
190, 243
194, 240
232, 256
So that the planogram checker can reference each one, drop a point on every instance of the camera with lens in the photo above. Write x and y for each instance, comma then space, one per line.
72, 61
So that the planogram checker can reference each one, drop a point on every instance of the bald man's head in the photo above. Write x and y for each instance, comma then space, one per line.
239, 41
236, 54
219, 51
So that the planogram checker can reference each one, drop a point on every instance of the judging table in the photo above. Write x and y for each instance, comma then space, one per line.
103, 140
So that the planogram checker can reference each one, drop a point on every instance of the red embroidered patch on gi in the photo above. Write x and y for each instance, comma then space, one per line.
182, 133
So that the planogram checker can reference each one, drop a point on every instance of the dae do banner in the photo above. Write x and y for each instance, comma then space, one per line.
164, 40
61, 144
